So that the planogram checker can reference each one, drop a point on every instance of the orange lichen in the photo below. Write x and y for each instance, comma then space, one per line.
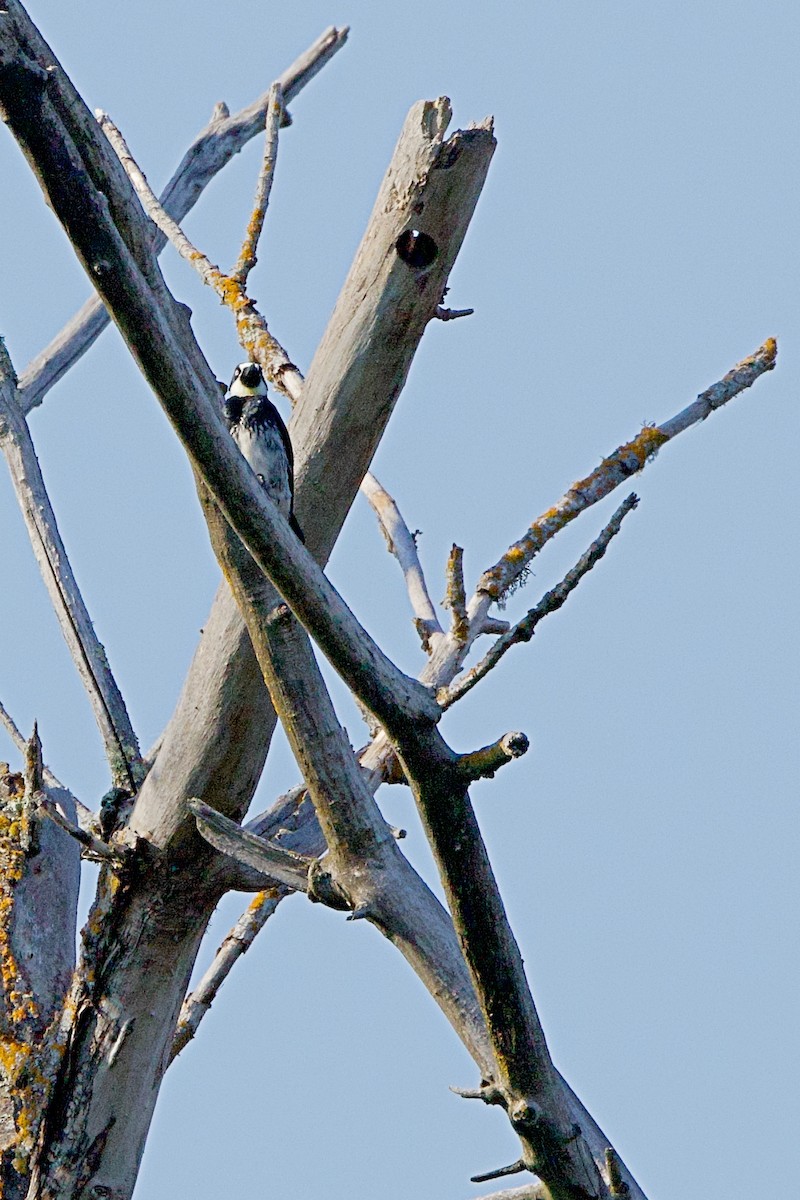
19, 1042
646, 444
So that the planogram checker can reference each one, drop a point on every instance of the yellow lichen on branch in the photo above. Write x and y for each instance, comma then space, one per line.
510, 569
21, 1082
624, 462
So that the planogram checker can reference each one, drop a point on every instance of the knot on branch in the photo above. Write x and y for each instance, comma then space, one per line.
279, 616
524, 1114
323, 888
425, 630
482, 764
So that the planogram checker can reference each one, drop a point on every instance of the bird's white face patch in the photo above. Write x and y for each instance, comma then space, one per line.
239, 387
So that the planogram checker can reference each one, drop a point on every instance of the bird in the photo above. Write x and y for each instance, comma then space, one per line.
258, 430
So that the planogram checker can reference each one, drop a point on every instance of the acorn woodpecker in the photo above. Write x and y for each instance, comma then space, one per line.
262, 437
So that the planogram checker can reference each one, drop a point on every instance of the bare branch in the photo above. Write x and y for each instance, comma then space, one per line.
282, 866
192, 403
226, 135
619, 466
364, 869
455, 597
512, 1169
92, 847
251, 326
524, 630
108, 706
237, 943
445, 663
403, 546
11, 729
247, 257
38, 905
531, 1191
339, 421
524, 1064
85, 814
102, 255
211, 150
493, 625
387, 301
453, 314
482, 764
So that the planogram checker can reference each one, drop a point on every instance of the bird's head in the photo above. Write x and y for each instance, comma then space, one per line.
247, 384
248, 380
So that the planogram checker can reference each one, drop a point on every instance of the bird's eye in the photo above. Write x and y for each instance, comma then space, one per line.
237, 372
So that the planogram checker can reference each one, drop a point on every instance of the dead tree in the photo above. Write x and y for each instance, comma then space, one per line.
85, 1044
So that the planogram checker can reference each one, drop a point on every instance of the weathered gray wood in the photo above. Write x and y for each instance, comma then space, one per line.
362, 362
275, 863
525, 1068
363, 868
108, 705
237, 943
212, 149
120, 1057
402, 545
224, 682
39, 878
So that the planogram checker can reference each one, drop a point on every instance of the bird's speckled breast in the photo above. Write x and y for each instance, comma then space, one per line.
262, 446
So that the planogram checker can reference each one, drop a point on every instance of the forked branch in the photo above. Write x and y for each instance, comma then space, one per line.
252, 328
627, 460
524, 630
210, 151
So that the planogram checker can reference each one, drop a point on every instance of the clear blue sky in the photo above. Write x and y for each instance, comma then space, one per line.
637, 236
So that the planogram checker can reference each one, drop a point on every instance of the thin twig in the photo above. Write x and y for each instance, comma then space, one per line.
237, 943
210, 151
514, 1168
627, 460
252, 329
108, 706
403, 546
247, 257
92, 846
445, 663
85, 815
524, 630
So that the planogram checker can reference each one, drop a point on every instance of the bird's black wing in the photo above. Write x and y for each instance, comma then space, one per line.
270, 413
232, 410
